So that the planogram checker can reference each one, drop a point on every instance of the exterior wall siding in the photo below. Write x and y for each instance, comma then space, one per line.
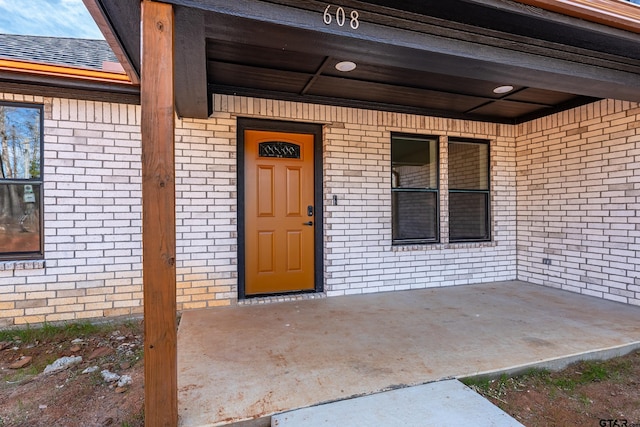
92, 218
579, 200
92, 209
563, 188
206, 212
359, 256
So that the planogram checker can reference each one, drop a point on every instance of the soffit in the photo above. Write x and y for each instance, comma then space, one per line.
429, 57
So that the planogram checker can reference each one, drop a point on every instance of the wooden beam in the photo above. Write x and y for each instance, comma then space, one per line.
158, 216
383, 45
191, 64
60, 88
613, 13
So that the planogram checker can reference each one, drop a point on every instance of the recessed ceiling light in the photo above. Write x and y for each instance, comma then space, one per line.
503, 89
345, 66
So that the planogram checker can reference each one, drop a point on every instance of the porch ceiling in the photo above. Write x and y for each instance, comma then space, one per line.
429, 57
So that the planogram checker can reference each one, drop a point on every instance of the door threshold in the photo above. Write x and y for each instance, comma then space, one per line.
268, 299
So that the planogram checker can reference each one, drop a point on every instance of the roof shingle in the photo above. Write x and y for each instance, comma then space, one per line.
81, 53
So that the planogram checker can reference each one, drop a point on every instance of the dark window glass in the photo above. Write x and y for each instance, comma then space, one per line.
468, 191
20, 181
414, 181
468, 216
416, 214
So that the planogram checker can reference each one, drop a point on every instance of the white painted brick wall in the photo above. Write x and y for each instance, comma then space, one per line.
359, 256
575, 184
92, 217
206, 205
578, 189
93, 213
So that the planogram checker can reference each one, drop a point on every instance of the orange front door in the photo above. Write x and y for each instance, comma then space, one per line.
279, 212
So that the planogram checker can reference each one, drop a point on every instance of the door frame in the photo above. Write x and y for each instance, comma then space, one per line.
291, 127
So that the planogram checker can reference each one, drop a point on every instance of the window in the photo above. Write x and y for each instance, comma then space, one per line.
20, 181
414, 188
468, 191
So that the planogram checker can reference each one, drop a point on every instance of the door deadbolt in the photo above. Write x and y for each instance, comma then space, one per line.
309, 210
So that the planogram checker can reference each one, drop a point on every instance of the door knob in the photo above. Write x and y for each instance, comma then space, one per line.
308, 223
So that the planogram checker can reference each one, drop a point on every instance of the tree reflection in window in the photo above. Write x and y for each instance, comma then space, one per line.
20, 180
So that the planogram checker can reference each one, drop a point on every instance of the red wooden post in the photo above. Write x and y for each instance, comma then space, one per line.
158, 216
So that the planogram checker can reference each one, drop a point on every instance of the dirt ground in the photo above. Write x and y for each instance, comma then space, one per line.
586, 394
605, 394
69, 398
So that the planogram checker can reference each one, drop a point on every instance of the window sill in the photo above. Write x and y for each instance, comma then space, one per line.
22, 264
441, 246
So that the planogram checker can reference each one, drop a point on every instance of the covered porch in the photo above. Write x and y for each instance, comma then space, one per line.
495, 64
245, 363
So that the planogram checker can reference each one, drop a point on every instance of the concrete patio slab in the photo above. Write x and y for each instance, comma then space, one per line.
249, 362
442, 403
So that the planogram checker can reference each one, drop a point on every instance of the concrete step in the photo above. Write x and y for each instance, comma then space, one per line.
442, 403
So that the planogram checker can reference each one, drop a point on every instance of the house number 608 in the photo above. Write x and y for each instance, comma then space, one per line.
341, 17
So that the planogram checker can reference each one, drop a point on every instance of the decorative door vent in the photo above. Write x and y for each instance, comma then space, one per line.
280, 149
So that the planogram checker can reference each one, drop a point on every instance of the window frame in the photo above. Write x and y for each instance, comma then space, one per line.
397, 189
13, 256
487, 192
